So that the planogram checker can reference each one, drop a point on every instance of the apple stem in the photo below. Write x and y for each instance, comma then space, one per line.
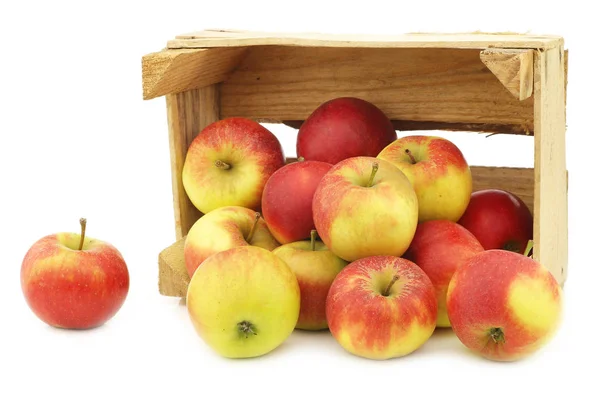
313, 238
412, 158
528, 248
246, 328
222, 164
386, 292
373, 172
253, 229
82, 222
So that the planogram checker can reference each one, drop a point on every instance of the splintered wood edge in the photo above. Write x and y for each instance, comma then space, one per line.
513, 68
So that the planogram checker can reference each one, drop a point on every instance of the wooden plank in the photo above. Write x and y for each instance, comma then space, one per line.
447, 86
474, 40
550, 210
173, 278
174, 71
513, 68
188, 113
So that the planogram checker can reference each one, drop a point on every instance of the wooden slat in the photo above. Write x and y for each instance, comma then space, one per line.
441, 86
174, 71
173, 277
550, 210
188, 113
475, 40
513, 68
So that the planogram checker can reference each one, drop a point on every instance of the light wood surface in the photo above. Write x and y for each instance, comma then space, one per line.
474, 40
550, 209
444, 86
513, 68
187, 113
173, 278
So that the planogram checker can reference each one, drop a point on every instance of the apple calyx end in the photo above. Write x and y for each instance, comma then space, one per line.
386, 292
300, 159
246, 328
375, 167
222, 165
253, 229
410, 155
497, 335
82, 223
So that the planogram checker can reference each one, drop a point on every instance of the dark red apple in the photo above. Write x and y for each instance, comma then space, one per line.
499, 220
287, 200
342, 128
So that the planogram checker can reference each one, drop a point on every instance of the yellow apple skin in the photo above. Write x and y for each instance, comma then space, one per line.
244, 302
355, 220
441, 176
223, 229
315, 270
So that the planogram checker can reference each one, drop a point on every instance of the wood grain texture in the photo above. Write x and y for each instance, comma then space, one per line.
473, 40
187, 113
446, 86
173, 278
513, 68
174, 71
550, 210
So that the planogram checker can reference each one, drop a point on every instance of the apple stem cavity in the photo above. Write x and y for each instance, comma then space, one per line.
412, 158
528, 248
373, 172
497, 335
222, 165
254, 225
313, 239
386, 292
246, 328
82, 222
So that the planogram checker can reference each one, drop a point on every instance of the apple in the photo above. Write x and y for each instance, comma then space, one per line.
438, 172
72, 281
381, 307
439, 248
499, 220
223, 229
315, 267
504, 306
364, 207
287, 199
244, 302
342, 128
229, 163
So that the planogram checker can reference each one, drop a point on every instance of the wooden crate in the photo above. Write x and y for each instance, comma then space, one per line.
508, 83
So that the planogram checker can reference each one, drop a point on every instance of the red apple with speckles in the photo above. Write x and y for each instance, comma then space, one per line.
504, 306
439, 248
229, 163
381, 307
342, 128
287, 200
438, 172
499, 220
72, 281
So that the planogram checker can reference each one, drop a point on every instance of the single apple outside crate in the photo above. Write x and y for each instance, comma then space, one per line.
482, 82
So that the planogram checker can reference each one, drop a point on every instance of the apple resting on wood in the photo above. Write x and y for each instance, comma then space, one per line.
74, 282
342, 128
229, 163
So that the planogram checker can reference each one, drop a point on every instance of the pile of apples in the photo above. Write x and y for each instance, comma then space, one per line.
379, 239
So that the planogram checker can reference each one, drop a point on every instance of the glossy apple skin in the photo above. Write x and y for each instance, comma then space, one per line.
499, 220
287, 200
315, 270
439, 248
356, 221
244, 284
253, 153
73, 289
499, 289
342, 128
223, 229
441, 176
368, 324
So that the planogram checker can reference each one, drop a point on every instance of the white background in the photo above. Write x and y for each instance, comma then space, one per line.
77, 140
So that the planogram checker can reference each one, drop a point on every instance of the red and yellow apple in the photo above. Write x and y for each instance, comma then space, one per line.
315, 267
229, 163
287, 200
381, 307
439, 248
364, 207
438, 172
74, 282
244, 302
504, 306
342, 128
499, 220
223, 229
